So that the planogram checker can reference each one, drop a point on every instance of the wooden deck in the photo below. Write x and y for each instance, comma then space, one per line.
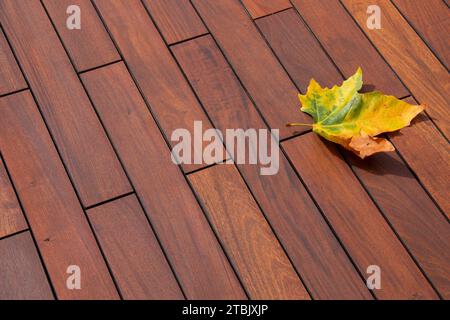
86, 176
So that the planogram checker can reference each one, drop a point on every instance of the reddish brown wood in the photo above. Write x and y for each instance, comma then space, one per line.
11, 78
134, 255
256, 66
11, 217
431, 20
176, 19
90, 46
260, 8
298, 50
347, 45
78, 134
427, 153
22, 276
264, 268
355, 219
411, 212
420, 70
151, 64
178, 220
315, 252
59, 224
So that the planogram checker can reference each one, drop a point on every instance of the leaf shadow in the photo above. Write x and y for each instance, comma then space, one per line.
380, 164
367, 87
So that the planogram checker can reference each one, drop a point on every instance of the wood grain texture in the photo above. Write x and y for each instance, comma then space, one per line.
176, 19
263, 267
260, 8
90, 46
59, 224
171, 99
78, 134
432, 21
413, 61
355, 219
411, 212
177, 218
11, 78
11, 216
22, 276
347, 45
314, 251
260, 72
298, 50
427, 153
132, 250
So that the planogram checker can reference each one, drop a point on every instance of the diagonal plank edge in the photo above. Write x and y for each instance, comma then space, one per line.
317, 255
78, 134
427, 79
260, 261
62, 232
185, 234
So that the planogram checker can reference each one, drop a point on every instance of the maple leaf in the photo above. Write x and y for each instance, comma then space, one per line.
352, 119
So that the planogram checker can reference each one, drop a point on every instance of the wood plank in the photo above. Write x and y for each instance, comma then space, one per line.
176, 19
11, 78
184, 232
134, 255
411, 212
58, 222
355, 219
318, 257
431, 20
298, 50
260, 72
78, 134
260, 8
90, 46
21, 273
264, 268
11, 216
171, 99
347, 45
427, 153
419, 69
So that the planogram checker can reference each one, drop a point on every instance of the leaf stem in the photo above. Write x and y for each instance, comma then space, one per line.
297, 124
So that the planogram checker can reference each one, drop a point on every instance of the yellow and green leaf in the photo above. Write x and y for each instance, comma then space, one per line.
352, 119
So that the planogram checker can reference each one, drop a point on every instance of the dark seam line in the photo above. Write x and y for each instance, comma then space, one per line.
109, 200
383, 214
306, 25
146, 214
203, 168
411, 95
240, 173
15, 233
357, 177
269, 14
64, 165
185, 40
295, 135
33, 237
411, 24
186, 179
100, 66
15, 60
373, 200
267, 125
379, 53
420, 182
285, 154
13, 92
162, 133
